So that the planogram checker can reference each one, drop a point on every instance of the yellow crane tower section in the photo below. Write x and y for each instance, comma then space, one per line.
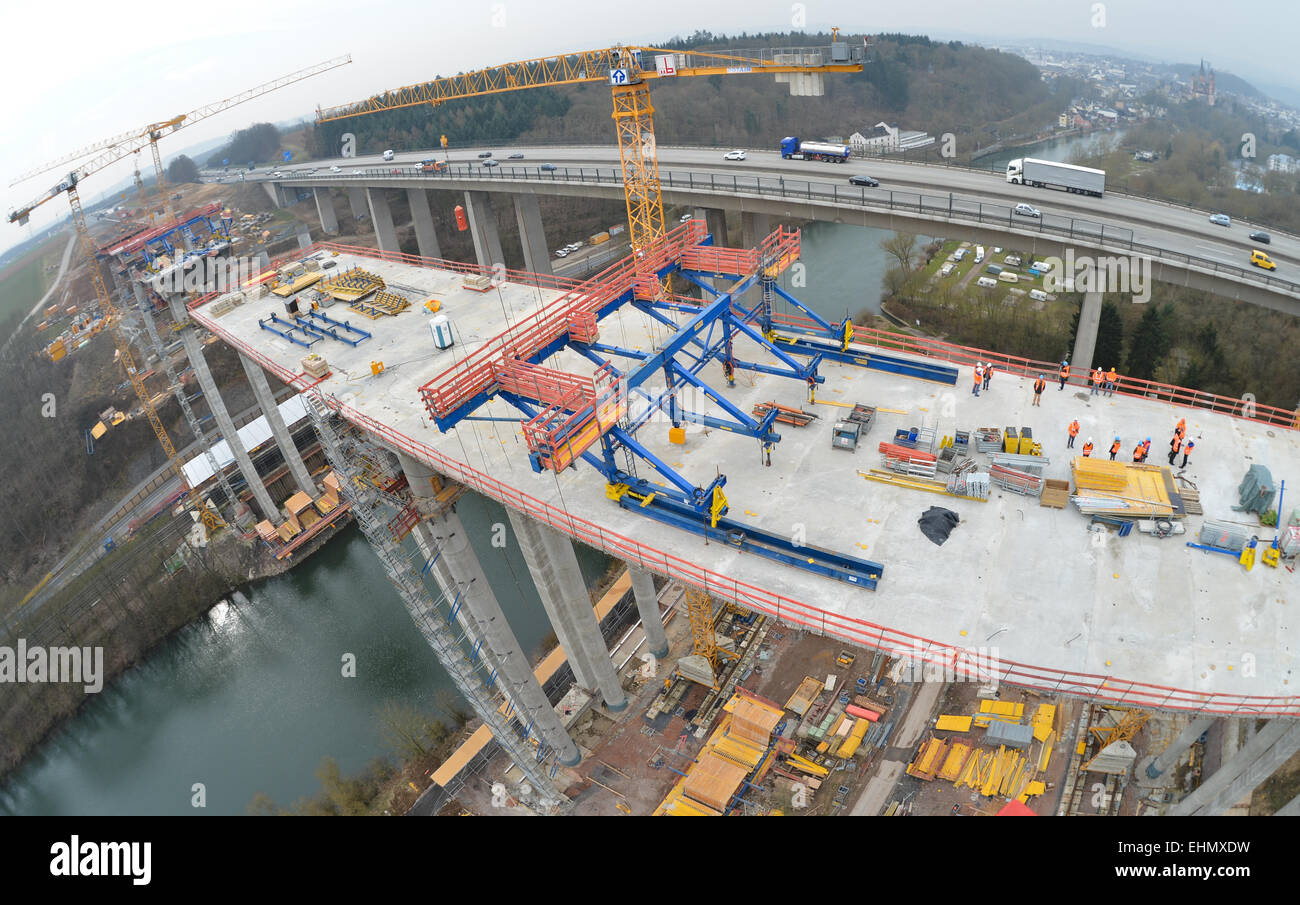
628, 70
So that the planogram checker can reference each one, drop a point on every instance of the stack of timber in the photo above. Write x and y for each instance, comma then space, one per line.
1128, 490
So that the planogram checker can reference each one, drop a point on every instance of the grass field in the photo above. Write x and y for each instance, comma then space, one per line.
24, 282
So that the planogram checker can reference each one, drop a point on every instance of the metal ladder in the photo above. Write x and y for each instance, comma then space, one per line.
466, 672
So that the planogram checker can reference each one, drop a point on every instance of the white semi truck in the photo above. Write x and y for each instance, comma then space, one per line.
1050, 174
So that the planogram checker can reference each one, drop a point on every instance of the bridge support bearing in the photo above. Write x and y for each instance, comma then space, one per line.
483, 227
459, 572
532, 235
647, 605
425, 235
329, 221
220, 414
1085, 341
279, 430
555, 571
1271, 747
382, 218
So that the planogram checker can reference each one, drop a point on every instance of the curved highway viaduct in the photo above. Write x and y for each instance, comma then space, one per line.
1183, 247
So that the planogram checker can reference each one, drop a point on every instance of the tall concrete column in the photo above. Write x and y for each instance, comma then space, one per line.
225, 424
532, 235
483, 227
329, 221
1179, 746
555, 571
276, 193
1271, 747
425, 236
754, 228
357, 201
1290, 809
283, 439
1085, 341
715, 220
471, 584
647, 606
382, 218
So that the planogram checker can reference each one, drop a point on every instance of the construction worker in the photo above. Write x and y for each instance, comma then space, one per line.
979, 379
988, 373
1139, 453
1175, 447
1180, 430
1096, 382
1087, 448
812, 388
1111, 378
1146, 448
1187, 451
1074, 432
1039, 385
1114, 448
729, 371
1064, 374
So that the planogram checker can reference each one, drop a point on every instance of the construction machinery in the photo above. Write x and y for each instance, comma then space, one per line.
628, 70
106, 153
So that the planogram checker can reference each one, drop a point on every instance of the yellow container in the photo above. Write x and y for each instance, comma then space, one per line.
677, 435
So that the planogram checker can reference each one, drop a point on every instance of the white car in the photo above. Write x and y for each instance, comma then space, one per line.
356, 172
1027, 210
562, 253
276, 174
684, 218
388, 155
335, 170
734, 155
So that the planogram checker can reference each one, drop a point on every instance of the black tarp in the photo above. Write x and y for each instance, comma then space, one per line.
937, 523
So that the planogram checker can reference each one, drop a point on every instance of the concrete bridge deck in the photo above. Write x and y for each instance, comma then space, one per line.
1138, 619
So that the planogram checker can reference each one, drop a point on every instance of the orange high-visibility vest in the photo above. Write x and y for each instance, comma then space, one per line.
1039, 385
1087, 449
1074, 428
1096, 376
1114, 447
1140, 453
1176, 444
1112, 375
1065, 371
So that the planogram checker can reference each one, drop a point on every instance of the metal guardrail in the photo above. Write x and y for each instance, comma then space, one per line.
946, 207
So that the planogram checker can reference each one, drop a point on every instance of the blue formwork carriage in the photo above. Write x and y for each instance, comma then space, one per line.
343, 331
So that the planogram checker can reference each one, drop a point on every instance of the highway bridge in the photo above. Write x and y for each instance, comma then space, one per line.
1183, 246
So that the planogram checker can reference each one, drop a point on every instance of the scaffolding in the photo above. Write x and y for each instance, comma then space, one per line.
434, 618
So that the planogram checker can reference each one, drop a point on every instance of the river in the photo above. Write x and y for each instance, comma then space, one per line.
251, 698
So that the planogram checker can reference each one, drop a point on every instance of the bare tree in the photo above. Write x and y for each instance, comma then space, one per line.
903, 247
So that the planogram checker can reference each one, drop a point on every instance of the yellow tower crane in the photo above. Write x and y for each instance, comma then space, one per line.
628, 70
106, 153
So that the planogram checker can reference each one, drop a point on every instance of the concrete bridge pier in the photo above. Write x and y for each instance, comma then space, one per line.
754, 228
647, 606
425, 235
554, 567
715, 219
329, 221
1255, 762
382, 218
532, 235
277, 193
483, 227
1155, 767
279, 430
448, 544
357, 201
220, 414
1085, 341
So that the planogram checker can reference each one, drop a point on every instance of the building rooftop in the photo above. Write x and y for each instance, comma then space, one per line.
1078, 611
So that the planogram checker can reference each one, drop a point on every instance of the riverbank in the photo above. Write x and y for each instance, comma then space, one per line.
131, 627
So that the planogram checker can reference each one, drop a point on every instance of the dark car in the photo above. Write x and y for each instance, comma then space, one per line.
1260, 237
486, 154
547, 167
515, 156
864, 180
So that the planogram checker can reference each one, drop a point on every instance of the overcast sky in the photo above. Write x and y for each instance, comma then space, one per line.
77, 72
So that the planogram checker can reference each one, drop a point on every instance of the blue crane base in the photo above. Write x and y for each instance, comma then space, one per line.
860, 572
873, 360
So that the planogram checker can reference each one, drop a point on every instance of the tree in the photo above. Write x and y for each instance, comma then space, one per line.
1150, 343
903, 247
1110, 337
182, 170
